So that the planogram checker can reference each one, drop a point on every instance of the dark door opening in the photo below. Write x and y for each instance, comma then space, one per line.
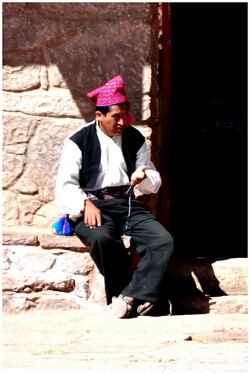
208, 160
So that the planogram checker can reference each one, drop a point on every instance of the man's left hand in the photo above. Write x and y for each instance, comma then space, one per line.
138, 175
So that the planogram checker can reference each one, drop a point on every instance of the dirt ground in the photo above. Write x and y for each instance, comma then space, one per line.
94, 341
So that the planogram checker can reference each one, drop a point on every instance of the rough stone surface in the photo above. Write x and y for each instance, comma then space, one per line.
44, 270
56, 278
210, 276
47, 72
48, 241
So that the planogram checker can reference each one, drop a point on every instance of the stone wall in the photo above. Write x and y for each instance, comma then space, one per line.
53, 54
45, 271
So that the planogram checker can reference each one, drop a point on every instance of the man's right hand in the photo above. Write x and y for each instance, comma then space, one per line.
92, 215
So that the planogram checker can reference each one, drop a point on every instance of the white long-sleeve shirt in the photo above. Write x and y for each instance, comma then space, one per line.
70, 196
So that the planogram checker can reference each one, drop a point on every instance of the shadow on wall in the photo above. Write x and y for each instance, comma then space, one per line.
53, 55
77, 47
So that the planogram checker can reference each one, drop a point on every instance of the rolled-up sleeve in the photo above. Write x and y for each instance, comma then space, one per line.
68, 194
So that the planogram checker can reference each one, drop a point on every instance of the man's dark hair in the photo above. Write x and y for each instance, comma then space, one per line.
105, 109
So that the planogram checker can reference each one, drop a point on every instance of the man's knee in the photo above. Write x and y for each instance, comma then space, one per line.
166, 240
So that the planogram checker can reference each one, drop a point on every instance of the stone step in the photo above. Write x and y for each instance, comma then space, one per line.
41, 237
46, 300
38, 260
209, 276
213, 305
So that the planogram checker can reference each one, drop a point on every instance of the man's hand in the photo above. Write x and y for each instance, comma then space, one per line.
138, 175
92, 215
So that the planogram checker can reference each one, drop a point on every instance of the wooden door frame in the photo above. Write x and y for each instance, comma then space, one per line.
165, 117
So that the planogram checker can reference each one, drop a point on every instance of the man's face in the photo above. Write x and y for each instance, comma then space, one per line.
115, 121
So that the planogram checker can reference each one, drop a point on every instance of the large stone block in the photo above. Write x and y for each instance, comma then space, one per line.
52, 241
30, 259
21, 58
18, 128
38, 278
13, 166
46, 215
21, 302
57, 103
21, 78
10, 209
28, 206
22, 26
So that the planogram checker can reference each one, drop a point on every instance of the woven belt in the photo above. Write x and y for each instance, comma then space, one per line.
110, 193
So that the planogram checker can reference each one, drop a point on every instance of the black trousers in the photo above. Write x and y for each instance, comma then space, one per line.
153, 243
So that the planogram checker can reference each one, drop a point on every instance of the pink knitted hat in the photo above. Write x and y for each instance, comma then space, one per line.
111, 93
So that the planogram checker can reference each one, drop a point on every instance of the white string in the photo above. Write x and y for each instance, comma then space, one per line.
130, 192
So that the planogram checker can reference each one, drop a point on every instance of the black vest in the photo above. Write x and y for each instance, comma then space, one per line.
88, 142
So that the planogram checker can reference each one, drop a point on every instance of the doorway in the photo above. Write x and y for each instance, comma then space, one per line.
208, 129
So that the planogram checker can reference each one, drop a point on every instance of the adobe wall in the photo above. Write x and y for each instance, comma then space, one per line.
53, 54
